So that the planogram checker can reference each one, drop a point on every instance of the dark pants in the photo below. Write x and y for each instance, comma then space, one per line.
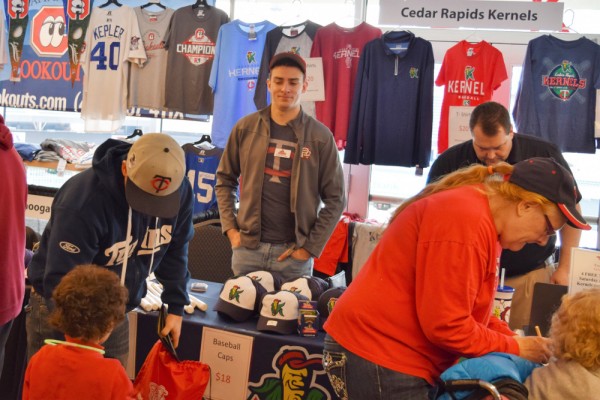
355, 378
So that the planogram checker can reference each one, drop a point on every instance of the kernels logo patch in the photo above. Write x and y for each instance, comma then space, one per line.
294, 377
469, 73
251, 57
564, 81
234, 293
414, 73
198, 49
277, 307
69, 247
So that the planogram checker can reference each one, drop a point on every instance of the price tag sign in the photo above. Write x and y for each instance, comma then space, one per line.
585, 270
314, 77
458, 124
228, 355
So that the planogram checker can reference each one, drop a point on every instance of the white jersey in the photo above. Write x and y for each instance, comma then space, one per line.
112, 41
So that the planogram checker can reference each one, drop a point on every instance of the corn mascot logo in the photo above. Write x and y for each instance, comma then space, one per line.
564, 81
293, 378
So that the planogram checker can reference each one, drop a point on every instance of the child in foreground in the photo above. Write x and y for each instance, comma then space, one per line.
574, 373
89, 303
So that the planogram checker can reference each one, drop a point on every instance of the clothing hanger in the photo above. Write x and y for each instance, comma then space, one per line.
204, 138
151, 3
200, 3
109, 2
297, 19
136, 132
473, 37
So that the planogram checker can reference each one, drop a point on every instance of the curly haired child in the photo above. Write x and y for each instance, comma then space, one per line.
90, 302
574, 373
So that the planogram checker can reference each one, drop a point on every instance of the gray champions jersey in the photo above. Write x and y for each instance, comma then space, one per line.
191, 43
147, 82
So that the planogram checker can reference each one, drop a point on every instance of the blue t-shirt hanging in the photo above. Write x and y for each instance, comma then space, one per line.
234, 74
557, 97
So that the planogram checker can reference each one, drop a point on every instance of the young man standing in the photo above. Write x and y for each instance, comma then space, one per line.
288, 164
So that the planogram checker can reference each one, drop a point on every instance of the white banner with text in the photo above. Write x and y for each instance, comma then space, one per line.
519, 15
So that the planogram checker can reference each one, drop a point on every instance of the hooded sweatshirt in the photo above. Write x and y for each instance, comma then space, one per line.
13, 198
88, 224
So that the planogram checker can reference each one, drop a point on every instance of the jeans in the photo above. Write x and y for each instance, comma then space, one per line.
38, 330
264, 257
355, 378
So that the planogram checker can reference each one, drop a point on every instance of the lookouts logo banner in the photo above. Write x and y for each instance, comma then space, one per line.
45, 42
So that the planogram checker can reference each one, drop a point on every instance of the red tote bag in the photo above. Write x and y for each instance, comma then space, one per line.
163, 377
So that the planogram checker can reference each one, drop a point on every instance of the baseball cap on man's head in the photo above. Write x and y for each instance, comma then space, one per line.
286, 57
548, 178
155, 170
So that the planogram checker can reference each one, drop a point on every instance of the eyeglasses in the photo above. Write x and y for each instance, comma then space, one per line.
550, 231
497, 148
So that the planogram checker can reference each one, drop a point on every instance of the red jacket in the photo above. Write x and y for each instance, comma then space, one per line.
425, 295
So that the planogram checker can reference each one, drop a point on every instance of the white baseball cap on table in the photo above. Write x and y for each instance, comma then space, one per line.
155, 170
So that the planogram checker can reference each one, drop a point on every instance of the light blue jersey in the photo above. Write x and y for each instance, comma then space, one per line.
234, 74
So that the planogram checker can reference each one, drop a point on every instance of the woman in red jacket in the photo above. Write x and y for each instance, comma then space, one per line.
424, 297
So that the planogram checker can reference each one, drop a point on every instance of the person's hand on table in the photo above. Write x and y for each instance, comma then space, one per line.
173, 327
534, 348
298, 254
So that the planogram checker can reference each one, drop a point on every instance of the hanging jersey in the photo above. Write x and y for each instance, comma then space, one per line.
191, 43
147, 83
471, 73
113, 41
297, 39
340, 49
556, 99
234, 75
201, 166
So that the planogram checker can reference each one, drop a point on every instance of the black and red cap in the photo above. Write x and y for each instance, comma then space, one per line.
548, 178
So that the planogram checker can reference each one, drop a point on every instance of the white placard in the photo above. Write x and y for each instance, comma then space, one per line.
314, 77
520, 15
585, 270
458, 124
38, 207
228, 355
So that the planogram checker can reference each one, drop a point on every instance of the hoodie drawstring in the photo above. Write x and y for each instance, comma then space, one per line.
154, 245
128, 233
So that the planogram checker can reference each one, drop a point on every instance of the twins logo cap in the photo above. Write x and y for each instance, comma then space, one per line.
548, 178
155, 170
270, 280
309, 286
327, 302
279, 312
240, 298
